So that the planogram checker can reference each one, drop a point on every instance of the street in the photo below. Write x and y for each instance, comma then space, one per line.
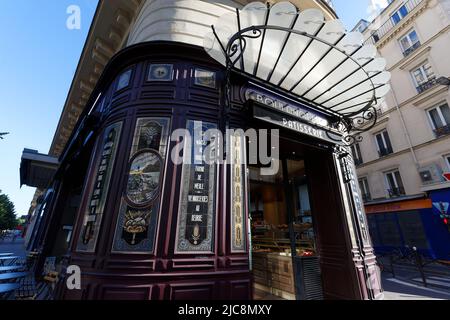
407, 284
16, 247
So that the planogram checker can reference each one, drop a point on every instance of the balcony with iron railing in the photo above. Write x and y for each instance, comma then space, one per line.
396, 192
411, 49
366, 197
442, 131
358, 161
430, 83
388, 25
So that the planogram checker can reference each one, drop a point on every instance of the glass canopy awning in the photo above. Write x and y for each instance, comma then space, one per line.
313, 60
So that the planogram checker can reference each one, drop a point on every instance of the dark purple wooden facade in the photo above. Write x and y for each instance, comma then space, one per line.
166, 274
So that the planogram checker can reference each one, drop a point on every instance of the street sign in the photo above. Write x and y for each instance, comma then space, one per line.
447, 176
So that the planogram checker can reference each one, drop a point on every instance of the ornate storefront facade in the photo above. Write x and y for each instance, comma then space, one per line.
143, 226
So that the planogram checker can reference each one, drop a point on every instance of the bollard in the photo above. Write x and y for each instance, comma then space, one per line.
419, 264
391, 260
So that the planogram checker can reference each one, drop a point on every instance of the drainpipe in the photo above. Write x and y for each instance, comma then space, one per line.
405, 129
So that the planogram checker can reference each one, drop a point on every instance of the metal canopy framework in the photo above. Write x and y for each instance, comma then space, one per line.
312, 60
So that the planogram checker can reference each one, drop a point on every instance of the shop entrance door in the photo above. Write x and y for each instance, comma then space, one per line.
285, 263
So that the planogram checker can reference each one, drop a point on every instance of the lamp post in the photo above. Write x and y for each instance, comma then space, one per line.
444, 81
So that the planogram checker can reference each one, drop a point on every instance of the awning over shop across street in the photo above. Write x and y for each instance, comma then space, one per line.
36, 169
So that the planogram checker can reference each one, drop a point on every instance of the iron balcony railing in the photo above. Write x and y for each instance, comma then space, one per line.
366, 197
411, 49
385, 152
442, 131
396, 192
390, 24
358, 161
427, 85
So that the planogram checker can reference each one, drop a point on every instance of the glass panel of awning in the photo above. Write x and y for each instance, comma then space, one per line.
301, 54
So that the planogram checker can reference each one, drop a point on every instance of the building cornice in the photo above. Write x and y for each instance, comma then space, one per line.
106, 36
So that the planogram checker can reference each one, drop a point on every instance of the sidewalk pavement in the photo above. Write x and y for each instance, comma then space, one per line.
404, 289
17, 247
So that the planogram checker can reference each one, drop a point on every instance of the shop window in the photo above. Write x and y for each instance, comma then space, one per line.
409, 43
424, 77
440, 119
282, 230
412, 229
124, 80
383, 143
356, 153
140, 205
365, 191
205, 78
399, 14
389, 230
395, 184
196, 214
373, 230
99, 190
160, 72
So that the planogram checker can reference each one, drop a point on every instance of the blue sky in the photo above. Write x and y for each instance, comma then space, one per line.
38, 59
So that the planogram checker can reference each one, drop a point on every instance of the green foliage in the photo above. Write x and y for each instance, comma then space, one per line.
8, 218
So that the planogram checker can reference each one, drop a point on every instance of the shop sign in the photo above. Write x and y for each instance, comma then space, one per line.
296, 111
293, 124
400, 206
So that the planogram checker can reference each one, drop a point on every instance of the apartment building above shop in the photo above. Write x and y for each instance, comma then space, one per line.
402, 160
406, 153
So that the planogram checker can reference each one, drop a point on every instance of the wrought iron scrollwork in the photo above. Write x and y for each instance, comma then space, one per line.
350, 125
238, 45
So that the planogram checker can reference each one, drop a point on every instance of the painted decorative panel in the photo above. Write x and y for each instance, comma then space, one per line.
139, 210
195, 233
238, 205
160, 72
205, 78
124, 80
100, 187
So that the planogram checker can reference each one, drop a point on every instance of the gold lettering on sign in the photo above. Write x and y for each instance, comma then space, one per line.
238, 242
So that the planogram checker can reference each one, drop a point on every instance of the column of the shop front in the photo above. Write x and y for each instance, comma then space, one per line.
361, 244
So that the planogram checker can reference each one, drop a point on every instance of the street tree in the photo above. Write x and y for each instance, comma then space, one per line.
8, 219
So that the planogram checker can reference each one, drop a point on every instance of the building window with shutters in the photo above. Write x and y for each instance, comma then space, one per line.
423, 77
409, 43
365, 191
440, 119
356, 153
383, 144
395, 184
399, 14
